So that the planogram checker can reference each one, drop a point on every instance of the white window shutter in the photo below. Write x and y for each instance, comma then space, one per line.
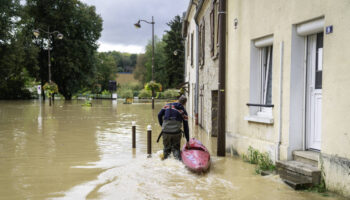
264, 42
311, 27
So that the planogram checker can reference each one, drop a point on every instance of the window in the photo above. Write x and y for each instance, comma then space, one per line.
201, 41
188, 45
214, 29
200, 44
192, 49
266, 75
260, 104
319, 60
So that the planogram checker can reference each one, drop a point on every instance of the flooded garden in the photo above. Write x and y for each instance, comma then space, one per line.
68, 151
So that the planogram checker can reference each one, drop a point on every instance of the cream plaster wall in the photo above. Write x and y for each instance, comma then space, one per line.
258, 18
191, 69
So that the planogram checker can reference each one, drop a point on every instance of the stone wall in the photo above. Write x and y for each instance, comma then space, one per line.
208, 75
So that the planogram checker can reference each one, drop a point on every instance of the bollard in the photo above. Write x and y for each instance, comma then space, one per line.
133, 134
149, 140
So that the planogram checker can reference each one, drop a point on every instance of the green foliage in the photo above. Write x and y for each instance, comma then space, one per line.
126, 93
133, 86
160, 75
125, 62
16, 52
96, 88
129, 90
50, 88
136, 93
321, 188
87, 103
170, 94
145, 94
174, 64
140, 68
262, 160
106, 92
87, 93
105, 69
72, 58
168, 68
153, 86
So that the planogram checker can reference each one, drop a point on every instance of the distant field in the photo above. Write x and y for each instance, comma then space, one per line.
123, 78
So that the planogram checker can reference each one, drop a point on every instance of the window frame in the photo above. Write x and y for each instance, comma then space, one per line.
265, 72
201, 41
192, 49
212, 32
261, 79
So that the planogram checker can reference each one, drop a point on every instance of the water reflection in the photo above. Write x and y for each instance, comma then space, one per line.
76, 152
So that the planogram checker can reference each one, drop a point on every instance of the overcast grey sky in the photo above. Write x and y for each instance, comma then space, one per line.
119, 17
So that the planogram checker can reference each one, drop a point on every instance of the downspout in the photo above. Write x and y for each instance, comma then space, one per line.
304, 93
185, 60
197, 76
221, 146
280, 109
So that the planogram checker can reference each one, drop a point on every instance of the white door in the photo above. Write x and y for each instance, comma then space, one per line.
314, 91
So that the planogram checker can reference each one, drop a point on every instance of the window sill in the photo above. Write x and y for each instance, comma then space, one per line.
259, 119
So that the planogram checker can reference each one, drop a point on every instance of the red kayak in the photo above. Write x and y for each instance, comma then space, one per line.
196, 157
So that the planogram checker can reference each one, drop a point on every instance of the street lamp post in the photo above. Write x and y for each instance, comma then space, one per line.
138, 25
36, 33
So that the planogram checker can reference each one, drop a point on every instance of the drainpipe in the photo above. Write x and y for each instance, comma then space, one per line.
197, 77
221, 146
280, 109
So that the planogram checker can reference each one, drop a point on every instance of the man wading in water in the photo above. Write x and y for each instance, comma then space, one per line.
170, 118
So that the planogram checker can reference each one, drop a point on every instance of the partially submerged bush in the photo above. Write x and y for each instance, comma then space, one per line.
106, 92
170, 94
126, 93
132, 86
262, 160
145, 94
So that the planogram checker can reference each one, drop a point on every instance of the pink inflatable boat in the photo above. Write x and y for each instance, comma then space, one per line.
196, 157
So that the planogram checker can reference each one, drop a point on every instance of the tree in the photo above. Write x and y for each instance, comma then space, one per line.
125, 62
160, 75
140, 69
105, 69
72, 58
174, 63
15, 52
168, 68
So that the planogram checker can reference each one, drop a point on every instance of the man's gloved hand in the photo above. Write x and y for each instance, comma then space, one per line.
187, 145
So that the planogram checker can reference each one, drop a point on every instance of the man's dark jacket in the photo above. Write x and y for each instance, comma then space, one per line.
174, 113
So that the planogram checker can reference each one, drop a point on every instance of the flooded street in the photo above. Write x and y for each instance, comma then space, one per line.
72, 152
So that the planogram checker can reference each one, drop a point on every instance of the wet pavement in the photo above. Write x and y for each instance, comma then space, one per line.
68, 151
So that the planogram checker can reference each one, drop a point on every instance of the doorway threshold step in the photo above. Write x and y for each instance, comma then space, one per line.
297, 174
309, 157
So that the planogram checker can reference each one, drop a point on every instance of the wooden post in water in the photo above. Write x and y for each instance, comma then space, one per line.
133, 134
149, 140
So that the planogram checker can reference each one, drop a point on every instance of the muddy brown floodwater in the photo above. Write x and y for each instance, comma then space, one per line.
72, 152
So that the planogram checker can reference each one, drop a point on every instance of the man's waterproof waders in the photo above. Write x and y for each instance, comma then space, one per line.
171, 142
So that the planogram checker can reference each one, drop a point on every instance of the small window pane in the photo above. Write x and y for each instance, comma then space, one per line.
319, 61
266, 74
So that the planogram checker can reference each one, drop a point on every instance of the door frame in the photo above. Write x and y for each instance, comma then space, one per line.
297, 96
312, 95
